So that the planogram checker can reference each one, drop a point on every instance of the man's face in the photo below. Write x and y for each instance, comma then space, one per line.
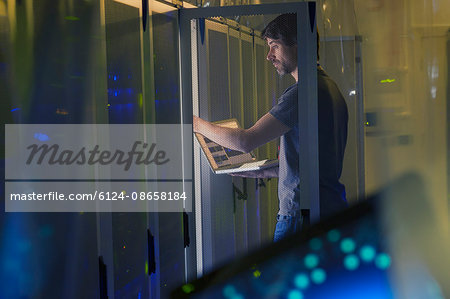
283, 58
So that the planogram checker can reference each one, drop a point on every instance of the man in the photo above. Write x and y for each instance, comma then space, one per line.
282, 121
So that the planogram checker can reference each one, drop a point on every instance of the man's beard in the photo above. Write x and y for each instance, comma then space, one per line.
283, 68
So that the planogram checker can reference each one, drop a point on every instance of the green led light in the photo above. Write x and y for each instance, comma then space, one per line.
383, 261
367, 253
315, 244
295, 294
318, 276
311, 260
351, 262
333, 235
146, 267
229, 291
347, 245
72, 18
256, 274
187, 288
387, 81
301, 281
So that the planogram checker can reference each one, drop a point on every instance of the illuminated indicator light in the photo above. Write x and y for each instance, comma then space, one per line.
41, 137
123, 246
333, 235
383, 261
229, 291
295, 294
140, 100
108, 105
311, 261
347, 245
352, 93
351, 262
315, 244
387, 81
301, 281
367, 253
187, 288
61, 111
256, 274
318, 276
115, 93
367, 123
71, 18
146, 267
115, 78
15, 109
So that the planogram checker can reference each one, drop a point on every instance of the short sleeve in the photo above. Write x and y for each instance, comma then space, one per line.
286, 110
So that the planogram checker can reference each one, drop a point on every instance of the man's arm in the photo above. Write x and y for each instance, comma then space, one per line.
264, 130
266, 173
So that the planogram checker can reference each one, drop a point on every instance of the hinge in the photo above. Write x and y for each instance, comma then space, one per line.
187, 240
103, 283
151, 253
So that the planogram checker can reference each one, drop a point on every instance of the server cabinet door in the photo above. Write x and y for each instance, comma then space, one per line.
237, 111
124, 235
52, 72
214, 104
173, 242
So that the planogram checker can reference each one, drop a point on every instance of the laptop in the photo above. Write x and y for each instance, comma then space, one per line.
224, 160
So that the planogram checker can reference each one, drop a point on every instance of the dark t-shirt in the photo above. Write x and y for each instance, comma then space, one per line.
332, 121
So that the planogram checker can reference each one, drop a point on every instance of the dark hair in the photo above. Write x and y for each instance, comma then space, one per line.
284, 28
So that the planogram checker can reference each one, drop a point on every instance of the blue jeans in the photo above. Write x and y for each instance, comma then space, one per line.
287, 225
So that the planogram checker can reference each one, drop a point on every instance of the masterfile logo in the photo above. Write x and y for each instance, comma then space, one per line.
98, 168
98, 151
140, 153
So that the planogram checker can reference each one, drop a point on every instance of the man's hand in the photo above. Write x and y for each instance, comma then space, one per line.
196, 124
264, 130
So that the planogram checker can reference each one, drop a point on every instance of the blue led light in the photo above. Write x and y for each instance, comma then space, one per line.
351, 262
318, 276
333, 235
301, 281
295, 294
383, 261
41, 137
348, 245
367, 253
15, 109
311, 261
229, 291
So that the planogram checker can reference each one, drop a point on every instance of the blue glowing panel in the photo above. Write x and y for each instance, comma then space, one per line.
343, 259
